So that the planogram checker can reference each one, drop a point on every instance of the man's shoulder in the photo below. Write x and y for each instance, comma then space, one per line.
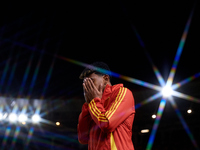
119, 88
116, 87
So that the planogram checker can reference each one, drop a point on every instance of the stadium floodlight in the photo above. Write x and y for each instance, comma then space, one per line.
22, 118
36, 118
12, 117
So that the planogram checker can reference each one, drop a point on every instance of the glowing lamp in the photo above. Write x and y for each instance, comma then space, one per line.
145, 131
57, 123
189, 111
24, 123
167, 91
153, 116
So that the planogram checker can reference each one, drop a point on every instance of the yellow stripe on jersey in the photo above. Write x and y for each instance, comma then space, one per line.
118, 100
118, 103
112, 142
96, 112
91, 109
118, 95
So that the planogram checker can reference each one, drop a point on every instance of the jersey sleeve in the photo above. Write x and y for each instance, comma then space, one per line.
84, 124
121, 106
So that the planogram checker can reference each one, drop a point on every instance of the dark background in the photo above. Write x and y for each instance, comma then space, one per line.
89, 31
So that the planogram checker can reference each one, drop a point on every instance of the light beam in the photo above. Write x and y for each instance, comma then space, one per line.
150, 99
179, 50
132, 80
185, 96
156, 124
8, 130
179, 84
30, 134
15, 137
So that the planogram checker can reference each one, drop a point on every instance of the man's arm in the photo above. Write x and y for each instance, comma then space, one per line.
122, 106
84, 124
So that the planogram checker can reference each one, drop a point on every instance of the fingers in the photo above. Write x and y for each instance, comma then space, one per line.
91, 84
84, 88
85, 93
91, 91
88, 84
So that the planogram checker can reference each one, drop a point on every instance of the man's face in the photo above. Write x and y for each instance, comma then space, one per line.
97, 80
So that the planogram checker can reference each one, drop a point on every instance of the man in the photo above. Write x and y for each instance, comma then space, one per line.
105, 122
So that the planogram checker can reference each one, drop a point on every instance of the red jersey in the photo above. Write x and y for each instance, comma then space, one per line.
106, 123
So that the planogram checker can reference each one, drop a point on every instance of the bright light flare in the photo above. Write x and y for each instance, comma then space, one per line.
167, 91
22, 118
12, 117
36, 118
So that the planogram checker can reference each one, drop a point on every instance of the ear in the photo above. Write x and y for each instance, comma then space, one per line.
106, 78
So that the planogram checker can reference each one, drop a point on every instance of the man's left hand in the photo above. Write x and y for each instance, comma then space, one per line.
91, 90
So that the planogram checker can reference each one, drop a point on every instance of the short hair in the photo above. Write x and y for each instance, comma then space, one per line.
96, 68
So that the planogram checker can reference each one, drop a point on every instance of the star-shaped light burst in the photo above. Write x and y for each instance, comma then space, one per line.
166, 90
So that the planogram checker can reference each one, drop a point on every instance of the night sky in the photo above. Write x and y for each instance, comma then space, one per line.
123, 34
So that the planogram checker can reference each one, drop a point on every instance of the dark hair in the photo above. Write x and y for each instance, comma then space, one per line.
99, 68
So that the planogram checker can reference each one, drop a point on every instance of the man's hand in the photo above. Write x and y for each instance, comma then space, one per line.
91, 91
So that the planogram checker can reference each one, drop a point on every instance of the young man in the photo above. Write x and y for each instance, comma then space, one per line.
106, 120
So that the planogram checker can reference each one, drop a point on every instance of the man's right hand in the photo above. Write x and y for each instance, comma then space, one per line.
85, 95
